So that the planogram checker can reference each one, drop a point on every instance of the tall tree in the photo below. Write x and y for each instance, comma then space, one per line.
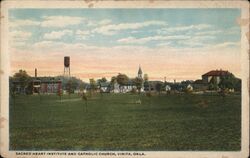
213, 85
237, 86
102, 80
112, 82
138, 83
229, 82
75, 81
122, 79
93, 84
69, 87
113, 79
158, 87
146, 82
23, 78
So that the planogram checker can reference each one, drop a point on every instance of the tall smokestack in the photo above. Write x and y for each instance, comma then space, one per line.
35, 73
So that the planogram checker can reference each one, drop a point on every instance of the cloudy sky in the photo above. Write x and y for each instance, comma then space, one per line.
177, 44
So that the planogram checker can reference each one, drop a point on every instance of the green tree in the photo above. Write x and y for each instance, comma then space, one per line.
76, 82
158, 87
69, 87
113, 81
93, 85
146, 85
230, 82
102, 80
74, 85
213, 85
12, 89
146, 82
138, 83
237, 85
81, 87
122, 79
23, 78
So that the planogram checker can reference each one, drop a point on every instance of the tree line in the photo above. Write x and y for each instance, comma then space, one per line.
70, 84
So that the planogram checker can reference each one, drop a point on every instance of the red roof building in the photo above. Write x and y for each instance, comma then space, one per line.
215, 74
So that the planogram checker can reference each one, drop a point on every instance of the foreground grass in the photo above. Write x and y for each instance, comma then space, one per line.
116, 122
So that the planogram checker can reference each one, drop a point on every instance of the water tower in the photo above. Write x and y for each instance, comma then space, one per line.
67, 66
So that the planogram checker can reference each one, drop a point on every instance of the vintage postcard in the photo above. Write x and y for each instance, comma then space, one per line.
147, 79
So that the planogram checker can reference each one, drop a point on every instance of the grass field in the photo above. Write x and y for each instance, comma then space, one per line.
116, 122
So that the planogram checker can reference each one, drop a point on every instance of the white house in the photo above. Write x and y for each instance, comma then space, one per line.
105, 87
190, 87
167, 88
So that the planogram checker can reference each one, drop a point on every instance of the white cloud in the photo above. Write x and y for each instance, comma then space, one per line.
191, 27
91, 23
44, 44
164, 44
184, 28
20, 23
213, 32
192, 43
19, 38
233, 31
82, 32
114, 28
60, 46
227, 44
165, 40
60, 21
197, 41
57, 34
133, 40
17, 43
229, 31
49, 21
20, 35
105, 22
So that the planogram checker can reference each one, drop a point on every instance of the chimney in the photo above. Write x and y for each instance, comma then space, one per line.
35, 73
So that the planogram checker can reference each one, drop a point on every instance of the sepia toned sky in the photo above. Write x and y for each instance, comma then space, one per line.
179, 44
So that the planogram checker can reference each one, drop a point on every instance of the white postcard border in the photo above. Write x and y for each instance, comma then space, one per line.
5, 69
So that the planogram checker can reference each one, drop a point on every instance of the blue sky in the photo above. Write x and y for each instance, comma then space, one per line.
215, 19
96, 31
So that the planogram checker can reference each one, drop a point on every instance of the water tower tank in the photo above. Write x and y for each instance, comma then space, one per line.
66, 61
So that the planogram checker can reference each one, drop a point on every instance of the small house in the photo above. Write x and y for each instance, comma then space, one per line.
105, 87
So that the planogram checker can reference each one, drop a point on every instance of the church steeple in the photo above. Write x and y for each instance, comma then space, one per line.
139, 72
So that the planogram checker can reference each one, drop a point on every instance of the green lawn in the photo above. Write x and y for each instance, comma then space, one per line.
116, 122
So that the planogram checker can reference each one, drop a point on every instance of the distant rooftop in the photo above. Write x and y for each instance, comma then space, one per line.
217, 73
